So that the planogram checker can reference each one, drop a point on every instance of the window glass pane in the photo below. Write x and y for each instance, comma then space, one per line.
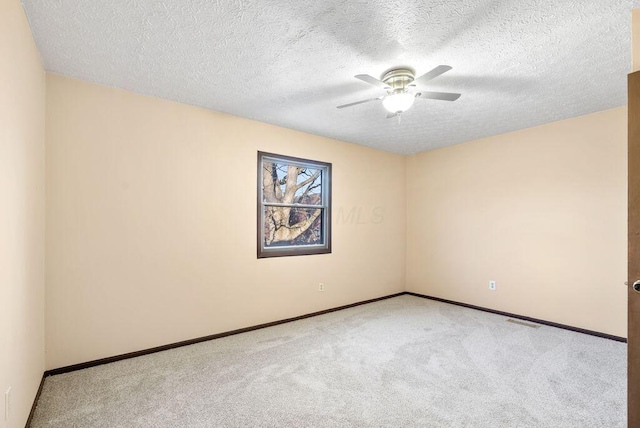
309, 187
292, 226
274, 177
291, 184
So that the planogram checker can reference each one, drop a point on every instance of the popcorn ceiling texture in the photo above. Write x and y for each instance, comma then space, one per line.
290, 63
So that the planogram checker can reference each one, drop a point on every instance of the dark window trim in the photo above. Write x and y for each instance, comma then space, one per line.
302, 250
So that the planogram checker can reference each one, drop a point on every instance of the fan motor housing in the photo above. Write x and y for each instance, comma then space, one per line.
398, 79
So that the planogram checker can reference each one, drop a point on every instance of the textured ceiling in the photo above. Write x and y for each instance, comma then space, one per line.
518, 63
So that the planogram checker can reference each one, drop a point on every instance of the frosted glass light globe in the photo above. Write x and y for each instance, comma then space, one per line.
395, 103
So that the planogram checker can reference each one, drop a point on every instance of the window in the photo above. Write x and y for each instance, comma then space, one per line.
294, 206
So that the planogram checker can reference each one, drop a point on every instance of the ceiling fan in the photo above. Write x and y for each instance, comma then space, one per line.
400, 84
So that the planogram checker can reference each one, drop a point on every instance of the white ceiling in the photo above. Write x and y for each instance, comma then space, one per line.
518, 63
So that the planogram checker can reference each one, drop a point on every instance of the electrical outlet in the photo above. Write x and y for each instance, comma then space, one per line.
321, 287
492, 285
7, 404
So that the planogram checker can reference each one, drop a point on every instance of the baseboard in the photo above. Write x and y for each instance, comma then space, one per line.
522, 317
108, 360
115, 358
35, 403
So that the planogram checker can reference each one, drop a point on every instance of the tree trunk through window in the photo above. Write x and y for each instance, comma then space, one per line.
286, 224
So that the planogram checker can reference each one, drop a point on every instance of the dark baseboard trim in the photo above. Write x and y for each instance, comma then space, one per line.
522, 317
108, 360
35, 403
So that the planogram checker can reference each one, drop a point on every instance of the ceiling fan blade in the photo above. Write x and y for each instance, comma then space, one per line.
432, 74
372, 81
445, 96
390, 115
360, 102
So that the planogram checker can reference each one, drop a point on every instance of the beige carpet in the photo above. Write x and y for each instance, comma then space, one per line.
402, 362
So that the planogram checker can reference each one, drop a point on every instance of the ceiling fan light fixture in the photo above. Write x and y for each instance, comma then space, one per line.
397, 82
398, 103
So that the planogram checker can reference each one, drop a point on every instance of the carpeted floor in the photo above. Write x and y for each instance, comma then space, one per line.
402, 362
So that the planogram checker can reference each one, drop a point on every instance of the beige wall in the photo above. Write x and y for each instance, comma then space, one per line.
635, 38
22, 123
542, 211
151, 224
148, 243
